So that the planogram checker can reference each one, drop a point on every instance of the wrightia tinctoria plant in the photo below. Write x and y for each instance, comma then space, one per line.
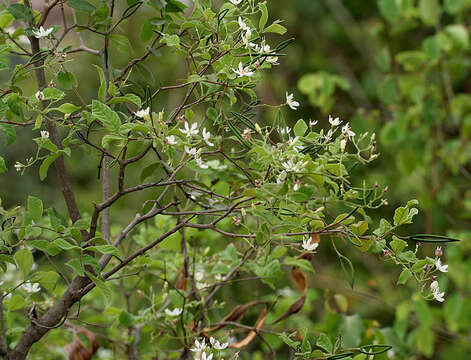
201, 200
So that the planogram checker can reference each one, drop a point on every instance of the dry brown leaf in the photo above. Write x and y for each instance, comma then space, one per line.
301, 282
236, 314
181, 280
77, 350
293, 309
299, 279
252, 333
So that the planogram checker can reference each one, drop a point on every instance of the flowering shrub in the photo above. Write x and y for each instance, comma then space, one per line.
223, 194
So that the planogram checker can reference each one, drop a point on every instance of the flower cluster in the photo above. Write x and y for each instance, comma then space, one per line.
201, 348
439, 296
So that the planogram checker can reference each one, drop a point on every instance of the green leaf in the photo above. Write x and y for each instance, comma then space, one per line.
6, 19
275, 28
24, 259
429, 11
106, 249
397, 244
103, 287
35, 208
66, 80
131, 98
171, 40
404, 215
45, 246
408, 256
424, 339
263, 17
64, 244
303, 264
122, 43
323, 341
459, 35
108, 117
16, 302
351, 328
20, 12
453, 7
47, 279
68, 108
175, 6
51, 93
389, 9
82, 5
126, 318
348, 269
387, 91
45, 165
404, 276
300, 128
9, 132
3, 167
76, 265
102, 88
306, 345
431, 48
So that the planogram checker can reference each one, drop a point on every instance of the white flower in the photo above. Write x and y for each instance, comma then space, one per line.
217, 345
286, 130
334, 122
18, 166
291, 166
171, 140
243, 71
281, 177
201, 285
199, 275
246, 37
440, 267
346, 131
308, 244
265, 49
31, 288
200, 163
290, 101
235, 2
44, 134
199, 346
292, 142
39, 95
312, 123
174, 312
287, 291
190, 151
329, 134
143, 113
206, 137
190, 131
436, 291
296, 186
41, 32
254, 46
204, 356
243, 25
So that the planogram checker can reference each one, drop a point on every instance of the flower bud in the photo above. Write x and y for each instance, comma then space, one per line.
438, 251
343, 143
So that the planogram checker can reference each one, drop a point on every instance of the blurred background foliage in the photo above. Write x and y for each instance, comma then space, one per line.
399, 68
